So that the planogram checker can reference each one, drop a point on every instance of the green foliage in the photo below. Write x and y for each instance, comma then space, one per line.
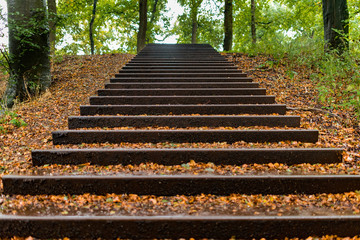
210, 23
339, 81
115, 26
10, 118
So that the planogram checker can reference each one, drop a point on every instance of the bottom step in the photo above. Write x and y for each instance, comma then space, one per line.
175, 227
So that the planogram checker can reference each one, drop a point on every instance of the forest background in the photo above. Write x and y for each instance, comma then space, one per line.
288, 31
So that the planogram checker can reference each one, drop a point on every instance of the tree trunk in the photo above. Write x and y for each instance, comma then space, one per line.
194, 31
336, 25
153, 12
52, 24
253, 23
141, 37
92, 44
29, 49
228, 25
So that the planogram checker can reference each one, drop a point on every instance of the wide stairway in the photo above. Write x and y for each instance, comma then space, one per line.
181, 94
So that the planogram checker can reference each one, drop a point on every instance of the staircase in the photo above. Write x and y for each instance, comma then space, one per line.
182, 87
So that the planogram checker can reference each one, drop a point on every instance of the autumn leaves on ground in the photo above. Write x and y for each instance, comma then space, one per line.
78, 77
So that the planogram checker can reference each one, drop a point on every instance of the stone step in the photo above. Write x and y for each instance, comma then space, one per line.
178, 156
176, 226
161, 85
180, 79
186, 184
181, 136
182, 121
180, 74
209, 99
182, 92
209, 109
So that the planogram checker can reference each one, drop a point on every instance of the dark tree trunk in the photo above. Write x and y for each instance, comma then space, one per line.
141, 37
153, 12
194, 31
228, 25
52, 24
336, 25
253, 23
92, 44
194, 8
28, 49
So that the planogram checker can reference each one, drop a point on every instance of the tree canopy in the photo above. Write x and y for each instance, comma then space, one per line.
277, 23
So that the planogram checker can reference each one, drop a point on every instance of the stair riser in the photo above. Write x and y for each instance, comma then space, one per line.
179, 136
183, 109
179, 64
149, 100
177, 71
180, 85
185, 74
180, 156
189, 67
180, 92
180, 185
183, 122
175, 227
180, 79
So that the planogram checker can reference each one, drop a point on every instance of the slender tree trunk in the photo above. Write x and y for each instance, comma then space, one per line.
228, 25
92, 44
141, 37
194, 31
153, 12
194, 5
52, 24
29, 49
253, 23
336, 25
